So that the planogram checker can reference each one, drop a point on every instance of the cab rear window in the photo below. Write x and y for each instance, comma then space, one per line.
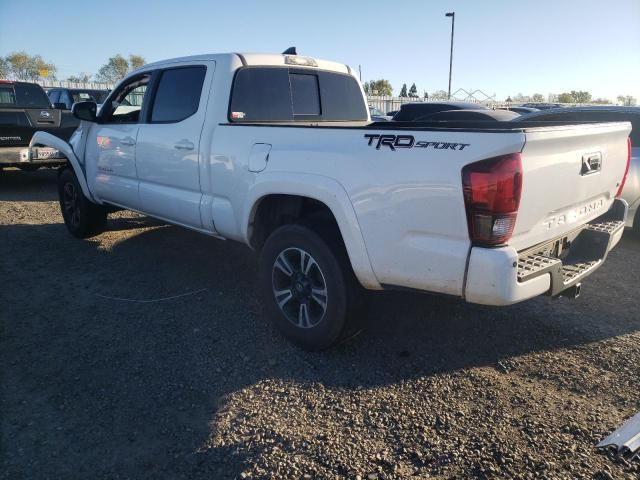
21, 95
278, 94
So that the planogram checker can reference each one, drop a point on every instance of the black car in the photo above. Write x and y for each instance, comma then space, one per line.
410, 112
24, 109
64, 98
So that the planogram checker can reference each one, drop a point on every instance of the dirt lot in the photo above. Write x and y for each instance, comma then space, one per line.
200, 386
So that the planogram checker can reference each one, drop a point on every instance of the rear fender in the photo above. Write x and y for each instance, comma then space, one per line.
327, 191
48, 140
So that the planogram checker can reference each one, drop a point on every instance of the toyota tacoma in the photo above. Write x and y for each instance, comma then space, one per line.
278, 151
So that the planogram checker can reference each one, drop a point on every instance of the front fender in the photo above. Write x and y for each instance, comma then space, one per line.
48, 140
327, 191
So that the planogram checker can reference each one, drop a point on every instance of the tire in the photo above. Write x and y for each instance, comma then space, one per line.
307, 288
82, 217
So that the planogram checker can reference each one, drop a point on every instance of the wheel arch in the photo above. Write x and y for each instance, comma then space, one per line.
293, 194
49, 140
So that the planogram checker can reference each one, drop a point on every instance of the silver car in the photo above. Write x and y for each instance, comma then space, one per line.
606, 113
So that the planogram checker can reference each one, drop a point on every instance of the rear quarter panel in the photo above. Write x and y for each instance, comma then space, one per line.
408, 202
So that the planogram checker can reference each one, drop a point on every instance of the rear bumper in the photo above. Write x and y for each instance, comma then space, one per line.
21, 156
503, 276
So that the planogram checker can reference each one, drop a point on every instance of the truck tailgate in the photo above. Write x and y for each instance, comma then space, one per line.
571, 176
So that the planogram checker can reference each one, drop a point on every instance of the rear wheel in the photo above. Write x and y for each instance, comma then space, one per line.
82, 217
307, 288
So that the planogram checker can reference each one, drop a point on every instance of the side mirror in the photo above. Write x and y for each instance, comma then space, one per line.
60, 106
85, 111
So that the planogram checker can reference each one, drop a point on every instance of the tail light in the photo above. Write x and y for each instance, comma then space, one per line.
626, 169
492, 191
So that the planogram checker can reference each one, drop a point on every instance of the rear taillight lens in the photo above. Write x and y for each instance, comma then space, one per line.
492, 191
626, 169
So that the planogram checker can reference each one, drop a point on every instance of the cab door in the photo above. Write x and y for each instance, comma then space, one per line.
168, 144
112, 143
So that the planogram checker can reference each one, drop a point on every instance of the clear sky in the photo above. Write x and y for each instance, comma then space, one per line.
501, 46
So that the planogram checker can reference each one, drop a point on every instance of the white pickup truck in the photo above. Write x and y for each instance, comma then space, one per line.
278, 152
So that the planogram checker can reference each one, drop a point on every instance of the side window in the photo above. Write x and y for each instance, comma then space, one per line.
54, 95
125, 106
178, 94
635, 129
65, 98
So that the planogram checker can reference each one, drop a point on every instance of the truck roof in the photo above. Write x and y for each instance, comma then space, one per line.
255, 59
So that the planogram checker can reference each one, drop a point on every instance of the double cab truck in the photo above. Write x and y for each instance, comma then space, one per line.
25, 109
278, 151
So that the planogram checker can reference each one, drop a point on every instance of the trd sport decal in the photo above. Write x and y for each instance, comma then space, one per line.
407, 141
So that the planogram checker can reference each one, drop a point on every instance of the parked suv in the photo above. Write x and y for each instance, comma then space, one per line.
64, 98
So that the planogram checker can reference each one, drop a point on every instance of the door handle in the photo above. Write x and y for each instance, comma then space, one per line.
184, 145
128, 141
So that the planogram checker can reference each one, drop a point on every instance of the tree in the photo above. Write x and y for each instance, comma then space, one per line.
439, 95
380, 88
80, 78
627, 100
537, 97
552, 98
565, 98
426, 95
580, 96
520, 98
413, 91
603, 101
365, 87
403, 90
117, 67
30, 68
4, 68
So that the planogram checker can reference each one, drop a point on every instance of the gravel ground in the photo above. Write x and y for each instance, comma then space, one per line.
200, 386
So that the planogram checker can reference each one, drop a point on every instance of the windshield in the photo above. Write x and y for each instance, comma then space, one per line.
98, 96
21, 95
375, 112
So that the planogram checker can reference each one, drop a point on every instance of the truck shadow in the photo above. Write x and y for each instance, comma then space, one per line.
137, 380
38, 186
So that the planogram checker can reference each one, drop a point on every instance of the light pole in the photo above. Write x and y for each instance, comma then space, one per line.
453, 22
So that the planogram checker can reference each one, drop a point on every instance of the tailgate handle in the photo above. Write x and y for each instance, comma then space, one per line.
591, 163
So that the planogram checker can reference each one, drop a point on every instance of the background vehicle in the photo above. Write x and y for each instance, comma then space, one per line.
604, 113
520, 110
25, 108
392, 113
377, 115
245, 147
471, 115
410, 112
64, 98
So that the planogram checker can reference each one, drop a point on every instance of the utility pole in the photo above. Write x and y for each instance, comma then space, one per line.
453, 22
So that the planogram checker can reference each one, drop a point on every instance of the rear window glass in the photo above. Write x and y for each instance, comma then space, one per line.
266, 94
178, 94
98, 96
305, 94
23, 95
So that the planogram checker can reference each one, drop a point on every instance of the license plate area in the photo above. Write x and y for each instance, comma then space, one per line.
45, 153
